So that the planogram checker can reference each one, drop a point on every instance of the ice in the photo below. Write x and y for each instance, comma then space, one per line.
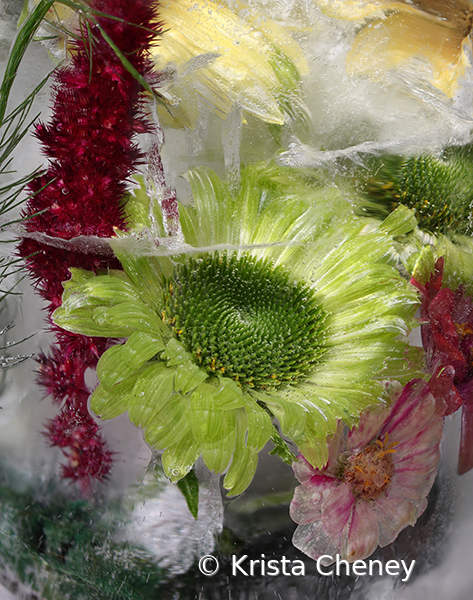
353, 118
231, 138
163, 525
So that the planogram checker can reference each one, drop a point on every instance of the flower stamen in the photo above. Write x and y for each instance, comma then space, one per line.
370, 470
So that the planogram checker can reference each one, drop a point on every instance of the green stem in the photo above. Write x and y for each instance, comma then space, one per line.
22, 41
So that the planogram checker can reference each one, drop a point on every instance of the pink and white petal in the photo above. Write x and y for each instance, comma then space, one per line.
411, 485
394, 515
423, 460
314, 541
337, 507
303, 470
306, 505
361, 536
411, 413
371, 421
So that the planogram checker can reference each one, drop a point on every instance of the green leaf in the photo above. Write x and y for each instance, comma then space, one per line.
189, 486
20, 45
281, 449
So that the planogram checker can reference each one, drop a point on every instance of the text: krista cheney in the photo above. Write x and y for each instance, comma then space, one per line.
326, 565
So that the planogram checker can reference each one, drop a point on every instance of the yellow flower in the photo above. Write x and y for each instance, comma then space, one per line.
430, 37
226, 58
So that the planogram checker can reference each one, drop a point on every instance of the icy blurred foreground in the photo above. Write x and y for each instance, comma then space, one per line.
351, 117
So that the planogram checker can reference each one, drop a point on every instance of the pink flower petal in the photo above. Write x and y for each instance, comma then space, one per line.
411, 485
411, 412
303, 470
422, 460
314, 541
371, 421
393, 516
361, 536
337, 507
306, 506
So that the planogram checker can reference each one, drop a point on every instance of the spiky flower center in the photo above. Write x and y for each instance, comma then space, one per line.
370, 470
244, 318
440, 189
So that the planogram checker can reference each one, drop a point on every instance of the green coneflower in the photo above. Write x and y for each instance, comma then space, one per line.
438, 188
278, 305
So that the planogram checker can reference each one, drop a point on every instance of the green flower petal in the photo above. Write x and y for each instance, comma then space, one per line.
291, 415
241, 471
259, 425
229, 395
152, 390
206, 418
109, 403
171, 421
130, 315
179, 459
244, 461
120, 361
218, 454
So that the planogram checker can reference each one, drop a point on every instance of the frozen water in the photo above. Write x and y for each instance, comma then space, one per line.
352, 118
164, 526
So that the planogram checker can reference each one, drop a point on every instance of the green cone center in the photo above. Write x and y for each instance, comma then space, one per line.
245, 319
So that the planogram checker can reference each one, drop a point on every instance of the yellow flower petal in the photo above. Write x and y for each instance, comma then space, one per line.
223, 58
411, 39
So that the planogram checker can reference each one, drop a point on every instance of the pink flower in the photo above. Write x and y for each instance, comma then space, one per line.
376, 480
447, 337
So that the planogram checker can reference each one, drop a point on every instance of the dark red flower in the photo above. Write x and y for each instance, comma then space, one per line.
447, 337
91, 145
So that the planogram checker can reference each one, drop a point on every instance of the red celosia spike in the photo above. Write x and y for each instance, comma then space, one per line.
97, 111
465, 456
62, 377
